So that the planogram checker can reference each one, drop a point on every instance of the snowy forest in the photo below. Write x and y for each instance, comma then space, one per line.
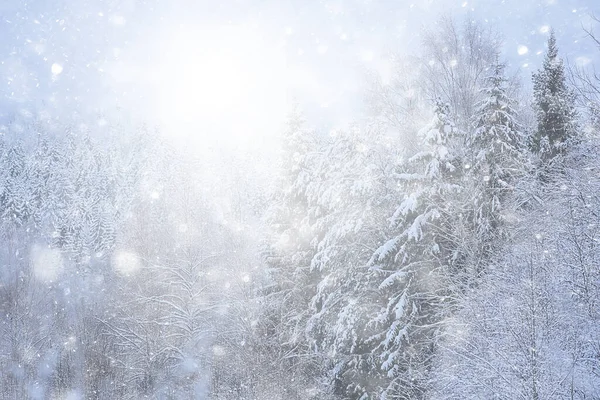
444, 245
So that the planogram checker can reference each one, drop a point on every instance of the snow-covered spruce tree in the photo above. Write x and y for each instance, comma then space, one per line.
495, 159
555, 107
411, 266
496, 141
355, 188
288, 259
16, 210
53, 192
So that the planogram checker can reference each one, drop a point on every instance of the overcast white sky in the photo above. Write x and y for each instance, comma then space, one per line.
72, 57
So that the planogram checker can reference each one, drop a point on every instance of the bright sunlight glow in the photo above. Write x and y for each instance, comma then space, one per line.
218, 87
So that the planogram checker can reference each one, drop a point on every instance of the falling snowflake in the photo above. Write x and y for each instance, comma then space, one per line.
522, 50
56, 69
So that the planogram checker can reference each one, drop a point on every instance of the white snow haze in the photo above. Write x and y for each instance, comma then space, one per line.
300, 199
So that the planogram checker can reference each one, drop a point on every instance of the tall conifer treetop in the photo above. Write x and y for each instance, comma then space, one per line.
554, 106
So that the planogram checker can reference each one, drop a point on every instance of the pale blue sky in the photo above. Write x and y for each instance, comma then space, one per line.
325, 43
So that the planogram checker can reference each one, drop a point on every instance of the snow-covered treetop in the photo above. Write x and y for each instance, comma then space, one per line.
434, 138
554, 104
496, 129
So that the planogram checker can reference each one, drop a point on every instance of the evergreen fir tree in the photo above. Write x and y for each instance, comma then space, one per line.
355, 188
411, 265
554, 106
288, 257
497, 138
496, 160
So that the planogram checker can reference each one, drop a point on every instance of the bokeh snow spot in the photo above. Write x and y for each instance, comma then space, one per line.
56, 69
47, 263
126, 263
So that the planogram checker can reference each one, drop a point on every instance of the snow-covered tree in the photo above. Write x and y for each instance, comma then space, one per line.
355, 188
410, 267
495, 160
288, 256
527, 329
554, 106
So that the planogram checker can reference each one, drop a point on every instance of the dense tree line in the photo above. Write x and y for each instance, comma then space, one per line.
120, 279
443, 248
447, 261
